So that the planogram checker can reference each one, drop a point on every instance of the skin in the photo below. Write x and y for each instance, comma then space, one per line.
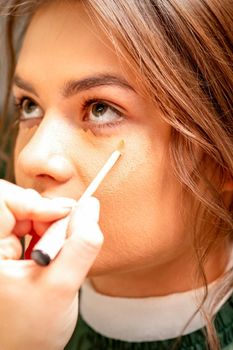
147, 247
50, 292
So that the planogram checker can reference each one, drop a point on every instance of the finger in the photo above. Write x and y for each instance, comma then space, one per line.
80, 249
29, 204
22, 228
7, 221
26, 204
18, 270
35, 208
40, 227
10, 248
10, 222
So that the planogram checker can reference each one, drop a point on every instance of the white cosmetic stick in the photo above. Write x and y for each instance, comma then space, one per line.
53, 240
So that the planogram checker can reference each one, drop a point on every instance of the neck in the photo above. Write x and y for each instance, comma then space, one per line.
173, 277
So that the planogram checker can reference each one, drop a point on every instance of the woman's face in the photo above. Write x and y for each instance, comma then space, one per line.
79, 100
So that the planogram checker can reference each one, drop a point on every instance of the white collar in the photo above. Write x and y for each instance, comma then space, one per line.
146, 319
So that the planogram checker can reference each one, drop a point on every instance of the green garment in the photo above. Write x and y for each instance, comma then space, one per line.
85, 338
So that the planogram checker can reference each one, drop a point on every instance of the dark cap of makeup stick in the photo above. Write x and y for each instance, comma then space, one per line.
40, 257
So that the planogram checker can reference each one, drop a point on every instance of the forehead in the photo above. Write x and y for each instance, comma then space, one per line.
62, 38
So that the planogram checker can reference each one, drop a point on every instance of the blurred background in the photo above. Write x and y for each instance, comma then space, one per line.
11, 31
3, 156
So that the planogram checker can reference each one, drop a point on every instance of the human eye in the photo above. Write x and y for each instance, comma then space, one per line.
101, 114
28, 109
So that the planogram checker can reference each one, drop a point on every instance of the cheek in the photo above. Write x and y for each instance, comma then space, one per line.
139, 211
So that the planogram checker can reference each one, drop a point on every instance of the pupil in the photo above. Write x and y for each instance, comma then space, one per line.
99, 109
29, 106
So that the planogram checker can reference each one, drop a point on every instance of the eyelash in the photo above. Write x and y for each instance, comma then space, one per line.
87, 104
85, 108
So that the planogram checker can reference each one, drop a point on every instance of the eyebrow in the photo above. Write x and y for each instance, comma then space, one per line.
73, 87
23, 84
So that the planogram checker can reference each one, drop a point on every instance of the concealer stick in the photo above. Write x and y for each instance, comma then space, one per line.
53, 240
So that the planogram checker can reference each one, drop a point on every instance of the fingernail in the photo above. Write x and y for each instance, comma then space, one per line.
88, 208
64, 202
57, 204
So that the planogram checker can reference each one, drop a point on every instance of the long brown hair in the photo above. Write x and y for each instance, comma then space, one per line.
181, 53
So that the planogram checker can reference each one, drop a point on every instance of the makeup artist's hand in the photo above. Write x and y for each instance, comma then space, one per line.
39, 305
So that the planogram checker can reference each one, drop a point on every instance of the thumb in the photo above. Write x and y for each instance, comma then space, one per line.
81, 247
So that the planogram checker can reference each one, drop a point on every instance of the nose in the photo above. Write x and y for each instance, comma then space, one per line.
46, 153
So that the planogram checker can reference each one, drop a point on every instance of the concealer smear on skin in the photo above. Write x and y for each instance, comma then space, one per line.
90, 153
90, 136
98, 147
93, 139
124, 170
